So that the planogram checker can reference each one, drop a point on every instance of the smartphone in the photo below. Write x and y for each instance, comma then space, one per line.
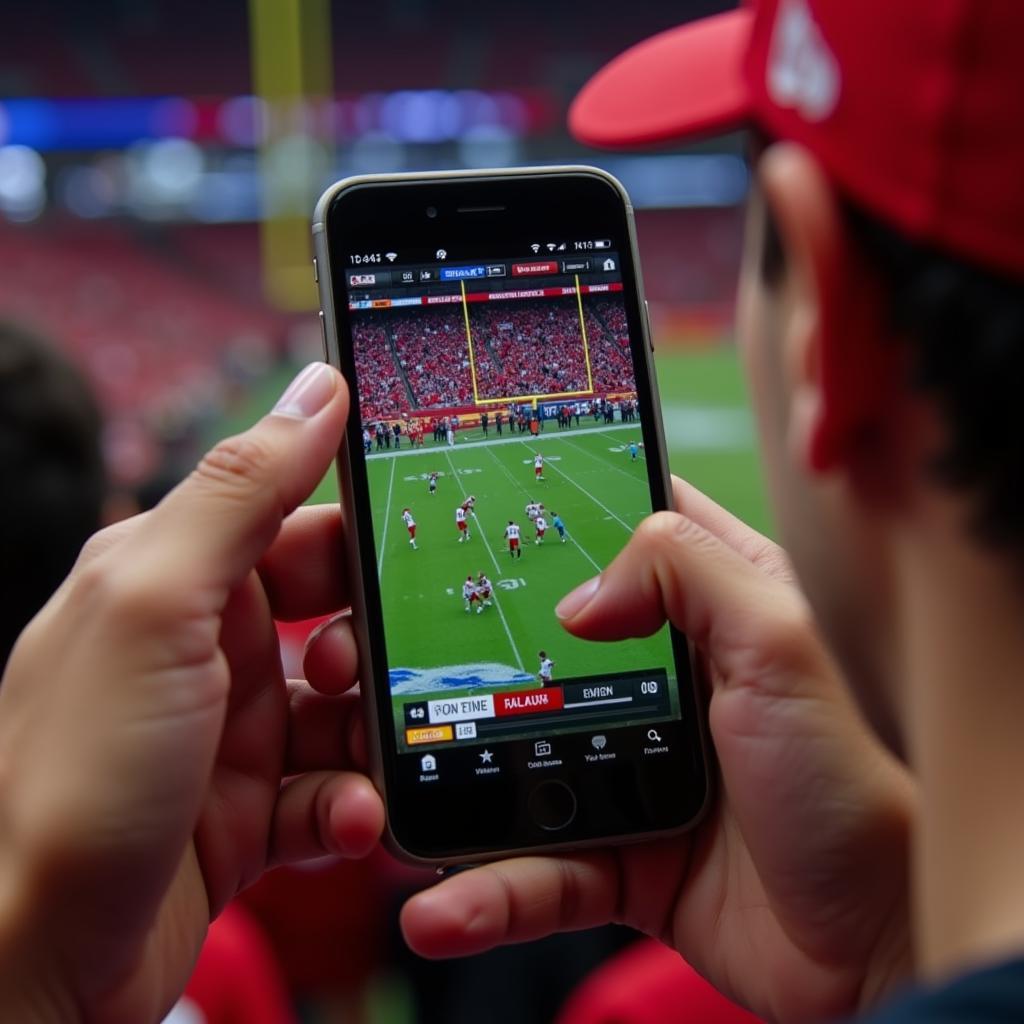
504, 442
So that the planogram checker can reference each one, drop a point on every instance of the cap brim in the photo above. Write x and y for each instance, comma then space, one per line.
680, 84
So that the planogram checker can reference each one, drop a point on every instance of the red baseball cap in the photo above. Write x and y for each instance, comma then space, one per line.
915, 108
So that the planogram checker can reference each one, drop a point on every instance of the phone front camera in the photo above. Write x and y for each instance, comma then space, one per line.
431, 212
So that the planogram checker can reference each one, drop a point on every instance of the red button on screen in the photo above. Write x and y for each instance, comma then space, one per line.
528, 269
528, 702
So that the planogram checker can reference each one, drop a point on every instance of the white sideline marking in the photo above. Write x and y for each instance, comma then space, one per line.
406, 453
387, 517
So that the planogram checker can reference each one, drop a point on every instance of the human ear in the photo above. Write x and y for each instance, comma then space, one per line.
835, 364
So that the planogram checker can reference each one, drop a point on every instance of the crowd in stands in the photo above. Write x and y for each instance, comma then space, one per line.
164, 349
537, 348
381, 388
521, 348
610, 359
432, 352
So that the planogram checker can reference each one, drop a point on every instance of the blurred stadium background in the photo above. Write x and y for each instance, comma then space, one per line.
158, 163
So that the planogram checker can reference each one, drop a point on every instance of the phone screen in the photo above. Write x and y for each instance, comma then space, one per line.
509, 450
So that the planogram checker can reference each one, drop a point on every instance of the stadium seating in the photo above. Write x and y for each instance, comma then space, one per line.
431, 350
609, 344
382, 386
520, 348
162, 346
690, 262
538, 348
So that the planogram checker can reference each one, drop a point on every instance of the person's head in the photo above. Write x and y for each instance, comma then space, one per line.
881, 309
51, 475
542, 654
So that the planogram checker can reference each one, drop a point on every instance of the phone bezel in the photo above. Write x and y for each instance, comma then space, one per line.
344, 213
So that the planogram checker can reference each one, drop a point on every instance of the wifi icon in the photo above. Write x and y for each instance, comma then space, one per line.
551, 246
535, 247
391, 256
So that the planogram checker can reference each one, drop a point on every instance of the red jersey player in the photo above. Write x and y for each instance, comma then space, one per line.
538, 466
470, 594
512, 536
410, 525
540, 524
467, 505
461, 524
483, 589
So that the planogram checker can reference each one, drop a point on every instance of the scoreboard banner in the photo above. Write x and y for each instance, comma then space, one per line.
558, 291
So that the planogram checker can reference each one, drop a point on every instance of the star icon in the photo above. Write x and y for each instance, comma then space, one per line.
486, 756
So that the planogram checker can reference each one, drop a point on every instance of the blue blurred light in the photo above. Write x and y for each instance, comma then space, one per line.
49, 125
418, 116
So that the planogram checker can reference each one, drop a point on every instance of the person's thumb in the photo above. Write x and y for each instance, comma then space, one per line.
674, 569
212, 528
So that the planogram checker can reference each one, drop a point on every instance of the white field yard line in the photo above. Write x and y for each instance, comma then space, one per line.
494, 590
504, 469
605, 463
626, 445
596, 501
387, 518
433, 449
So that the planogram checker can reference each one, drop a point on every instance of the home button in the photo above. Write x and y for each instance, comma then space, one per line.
552, 805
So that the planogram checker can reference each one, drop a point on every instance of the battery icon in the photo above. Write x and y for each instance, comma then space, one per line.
603, 243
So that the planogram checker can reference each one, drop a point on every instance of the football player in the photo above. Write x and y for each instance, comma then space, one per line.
512, 536
410, 525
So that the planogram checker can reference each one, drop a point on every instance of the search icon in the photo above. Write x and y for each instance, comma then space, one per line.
652, 735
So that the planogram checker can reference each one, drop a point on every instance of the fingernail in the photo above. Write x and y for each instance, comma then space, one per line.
322, 627
576, 600
311, 390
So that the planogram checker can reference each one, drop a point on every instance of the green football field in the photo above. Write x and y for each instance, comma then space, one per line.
435, 646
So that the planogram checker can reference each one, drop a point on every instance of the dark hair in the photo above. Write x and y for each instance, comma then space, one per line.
51, 475
964, 326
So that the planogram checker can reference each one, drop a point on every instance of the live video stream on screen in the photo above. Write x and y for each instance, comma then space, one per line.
506, 465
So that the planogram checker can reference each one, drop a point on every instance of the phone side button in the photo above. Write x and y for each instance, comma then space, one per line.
552, 805
323, 334
316, 271
647, 317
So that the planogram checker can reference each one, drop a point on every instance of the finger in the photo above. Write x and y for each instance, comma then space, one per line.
324, 733
213, 527
256, 699
753, 546
331, 658
303, 571
512, 901
673, 568
325, 813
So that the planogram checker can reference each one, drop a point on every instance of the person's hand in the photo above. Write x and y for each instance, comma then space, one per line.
153, 760
792, 897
